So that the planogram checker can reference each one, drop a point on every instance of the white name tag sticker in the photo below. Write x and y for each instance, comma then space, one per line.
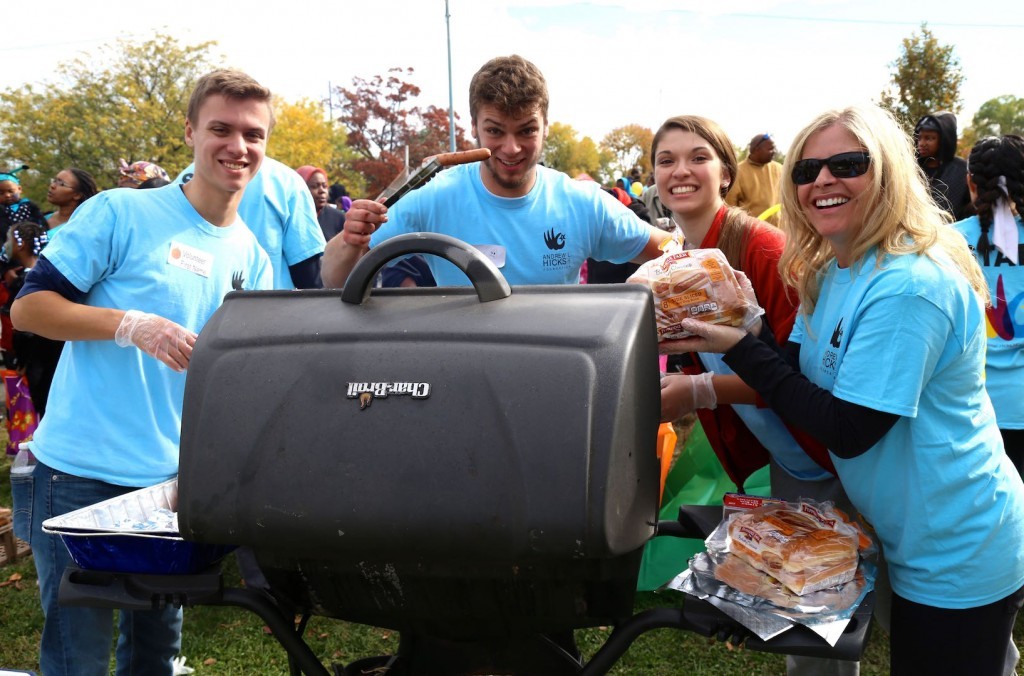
495, 252
190, 258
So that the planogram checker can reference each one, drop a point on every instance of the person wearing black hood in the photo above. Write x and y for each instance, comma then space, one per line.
935, 138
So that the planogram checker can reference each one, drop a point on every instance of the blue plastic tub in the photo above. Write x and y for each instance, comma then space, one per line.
132, 534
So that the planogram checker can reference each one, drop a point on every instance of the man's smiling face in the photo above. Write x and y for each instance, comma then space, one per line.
516, 144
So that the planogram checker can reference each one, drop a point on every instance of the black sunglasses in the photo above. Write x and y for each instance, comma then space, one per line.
843, 165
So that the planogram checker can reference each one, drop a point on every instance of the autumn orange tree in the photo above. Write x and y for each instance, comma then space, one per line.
926, 78
384, 122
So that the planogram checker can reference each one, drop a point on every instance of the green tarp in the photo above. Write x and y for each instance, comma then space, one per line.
696, 478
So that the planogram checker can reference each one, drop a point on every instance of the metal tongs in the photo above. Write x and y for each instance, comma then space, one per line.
406, 182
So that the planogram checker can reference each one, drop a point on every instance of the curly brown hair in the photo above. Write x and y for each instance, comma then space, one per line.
511, 84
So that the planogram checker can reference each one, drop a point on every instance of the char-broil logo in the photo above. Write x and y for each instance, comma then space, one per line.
367, 392
554, 241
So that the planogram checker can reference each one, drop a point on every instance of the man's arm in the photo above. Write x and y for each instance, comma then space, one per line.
51, 315
49, 305
345, 250
306, 274
653, 247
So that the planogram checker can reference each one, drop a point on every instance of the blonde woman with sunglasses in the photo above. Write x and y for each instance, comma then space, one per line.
884, 366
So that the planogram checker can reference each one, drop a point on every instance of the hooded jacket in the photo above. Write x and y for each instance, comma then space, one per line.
948, 181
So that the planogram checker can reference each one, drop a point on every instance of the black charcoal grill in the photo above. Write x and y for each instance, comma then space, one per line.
472, 467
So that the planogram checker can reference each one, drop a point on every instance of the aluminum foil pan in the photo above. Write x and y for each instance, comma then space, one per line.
134, 533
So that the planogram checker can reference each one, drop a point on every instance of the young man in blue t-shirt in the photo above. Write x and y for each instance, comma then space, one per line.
536, 224
131, 281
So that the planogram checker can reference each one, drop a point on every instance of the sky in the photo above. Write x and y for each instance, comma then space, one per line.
754, 66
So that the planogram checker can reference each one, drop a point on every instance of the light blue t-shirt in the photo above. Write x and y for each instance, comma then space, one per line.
938, 488
1004, 360
541, 238
115, 412
278, 208
769, 429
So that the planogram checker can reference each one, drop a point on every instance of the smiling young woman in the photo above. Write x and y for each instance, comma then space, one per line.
694, 165
884, 366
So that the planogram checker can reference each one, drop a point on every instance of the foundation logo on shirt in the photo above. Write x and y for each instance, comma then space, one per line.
554, 241
237, 280
837, 335
830, 359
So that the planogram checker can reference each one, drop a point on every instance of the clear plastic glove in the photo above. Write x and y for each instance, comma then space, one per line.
753, 325
160, 338
706, 338
682, 394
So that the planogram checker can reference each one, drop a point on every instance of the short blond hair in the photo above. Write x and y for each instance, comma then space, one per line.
232, 84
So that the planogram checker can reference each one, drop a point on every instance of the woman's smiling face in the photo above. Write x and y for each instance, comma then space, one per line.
833, 205
688, 173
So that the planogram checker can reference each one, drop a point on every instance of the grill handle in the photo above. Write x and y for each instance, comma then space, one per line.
488, 281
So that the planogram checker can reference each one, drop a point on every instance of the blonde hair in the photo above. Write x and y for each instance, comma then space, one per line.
232, 84
900, 215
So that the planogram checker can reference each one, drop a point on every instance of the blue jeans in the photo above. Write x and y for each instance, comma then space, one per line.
76, 641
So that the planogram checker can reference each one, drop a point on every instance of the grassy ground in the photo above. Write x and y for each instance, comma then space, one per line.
230, 641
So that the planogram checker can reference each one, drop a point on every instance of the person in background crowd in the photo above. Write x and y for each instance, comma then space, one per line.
34, 356
694, 167
756, 188
659, 214
338, 196
331, 219
278, 209
537, 224
995, 178
935, 136
13, 207
155, 182
604, 272
112, 286
68, 189
135, 174
883, 367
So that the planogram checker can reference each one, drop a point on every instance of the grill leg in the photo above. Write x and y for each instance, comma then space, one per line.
281, 626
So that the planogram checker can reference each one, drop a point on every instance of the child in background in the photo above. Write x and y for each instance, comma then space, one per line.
13, 207
33, 356
995, 180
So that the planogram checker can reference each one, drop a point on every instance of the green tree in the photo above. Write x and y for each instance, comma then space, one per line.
631, 147
996, 117
565, 151
127, 101
925, 78
303, 135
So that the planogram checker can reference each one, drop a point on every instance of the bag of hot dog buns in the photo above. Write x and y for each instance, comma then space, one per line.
696, 284
805, 546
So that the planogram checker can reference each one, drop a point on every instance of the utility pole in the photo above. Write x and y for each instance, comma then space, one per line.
451, 105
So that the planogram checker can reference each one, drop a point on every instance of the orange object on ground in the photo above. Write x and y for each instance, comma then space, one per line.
666, 449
